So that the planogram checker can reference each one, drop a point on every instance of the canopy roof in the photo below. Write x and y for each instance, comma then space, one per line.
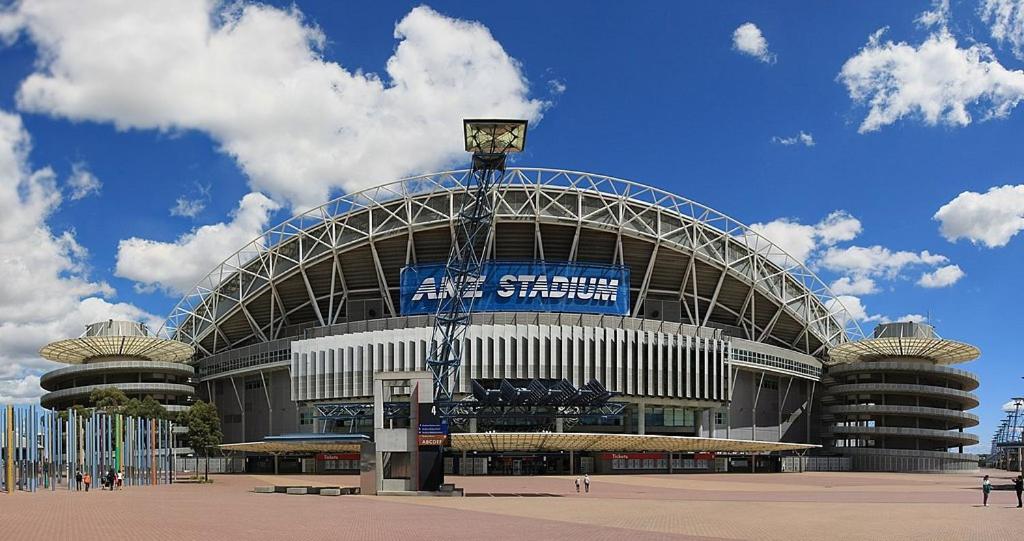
938, 350
152, 348
535, 442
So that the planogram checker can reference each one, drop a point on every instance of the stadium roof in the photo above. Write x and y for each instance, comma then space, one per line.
711, 269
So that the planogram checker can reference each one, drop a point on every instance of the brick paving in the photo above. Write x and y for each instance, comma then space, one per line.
635, 507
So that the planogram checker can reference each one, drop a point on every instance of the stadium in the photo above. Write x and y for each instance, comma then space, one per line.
717, 332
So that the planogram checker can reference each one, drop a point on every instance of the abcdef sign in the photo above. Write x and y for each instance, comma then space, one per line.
523, 287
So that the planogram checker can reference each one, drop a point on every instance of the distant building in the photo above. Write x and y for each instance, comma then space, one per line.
122, 355
894, 402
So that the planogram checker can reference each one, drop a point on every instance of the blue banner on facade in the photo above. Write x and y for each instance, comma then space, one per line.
535, 286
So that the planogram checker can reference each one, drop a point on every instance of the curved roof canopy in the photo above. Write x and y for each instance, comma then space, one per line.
938, 350
706, 267
82, 349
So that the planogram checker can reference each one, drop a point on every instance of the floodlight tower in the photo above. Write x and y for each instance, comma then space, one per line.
490, 141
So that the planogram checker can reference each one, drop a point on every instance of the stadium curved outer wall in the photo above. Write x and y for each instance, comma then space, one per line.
725, 333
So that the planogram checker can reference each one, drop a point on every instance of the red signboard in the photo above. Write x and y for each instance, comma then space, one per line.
424, 440
631, 456
337, 456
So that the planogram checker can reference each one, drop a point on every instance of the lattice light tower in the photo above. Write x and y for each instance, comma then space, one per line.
490, 141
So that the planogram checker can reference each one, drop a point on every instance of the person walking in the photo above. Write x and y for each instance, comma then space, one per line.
87, 479
78, 480
986, 487
577, 485
586, 482
1018, 487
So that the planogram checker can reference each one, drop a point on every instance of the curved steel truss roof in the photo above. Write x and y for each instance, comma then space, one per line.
718, 270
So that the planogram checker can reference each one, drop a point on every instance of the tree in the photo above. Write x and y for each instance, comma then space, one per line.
108, 399
147, 408
204, 432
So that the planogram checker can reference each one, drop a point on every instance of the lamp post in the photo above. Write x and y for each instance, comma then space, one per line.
490, 141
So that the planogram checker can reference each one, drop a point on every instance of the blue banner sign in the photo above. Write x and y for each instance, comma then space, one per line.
535, 286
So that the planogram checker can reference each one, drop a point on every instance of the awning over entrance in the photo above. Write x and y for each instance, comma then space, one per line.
570, 441
525, 442
301, 443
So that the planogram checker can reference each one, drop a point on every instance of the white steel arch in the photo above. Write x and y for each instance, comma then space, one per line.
528, 195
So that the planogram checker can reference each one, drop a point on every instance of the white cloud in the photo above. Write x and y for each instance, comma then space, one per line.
800, 240
82, 182
937, 81
876, 261
747, 39
990, 219
938, 16
802, 138
1006, 22
177, 266
941, 277
253, 77
855, 309
188, 208
854, 286
46, 293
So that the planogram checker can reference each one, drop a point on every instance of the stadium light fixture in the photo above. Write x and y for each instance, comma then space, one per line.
491, 136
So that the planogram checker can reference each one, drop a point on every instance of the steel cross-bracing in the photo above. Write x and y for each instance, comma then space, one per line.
242, 300
463, 273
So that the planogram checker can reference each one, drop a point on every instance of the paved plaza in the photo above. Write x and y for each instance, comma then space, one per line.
634, 507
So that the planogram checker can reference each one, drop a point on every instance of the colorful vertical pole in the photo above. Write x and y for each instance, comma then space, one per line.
118, 442
9, 473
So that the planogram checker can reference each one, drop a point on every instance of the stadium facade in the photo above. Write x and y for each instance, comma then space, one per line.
719, 332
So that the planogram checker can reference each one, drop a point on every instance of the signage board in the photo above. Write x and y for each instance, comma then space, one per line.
425, 440
337, 456
632, 456
433, 429
535, 286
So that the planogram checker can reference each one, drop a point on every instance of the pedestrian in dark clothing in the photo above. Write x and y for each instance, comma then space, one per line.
1018, 486
986, 487
78, 480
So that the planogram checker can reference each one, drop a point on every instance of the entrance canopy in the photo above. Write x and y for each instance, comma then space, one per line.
525, 442
570, 441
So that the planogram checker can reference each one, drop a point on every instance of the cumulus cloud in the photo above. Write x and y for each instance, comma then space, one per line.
82, 182
747, 39
802, 138
1006, 22
177, 266
876, 261
938, 81
801, 240
854, 286
990, 219
941, 277
854, 309
253, 77
46, 293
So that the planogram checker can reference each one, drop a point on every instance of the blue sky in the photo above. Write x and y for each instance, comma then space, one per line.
140, 116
